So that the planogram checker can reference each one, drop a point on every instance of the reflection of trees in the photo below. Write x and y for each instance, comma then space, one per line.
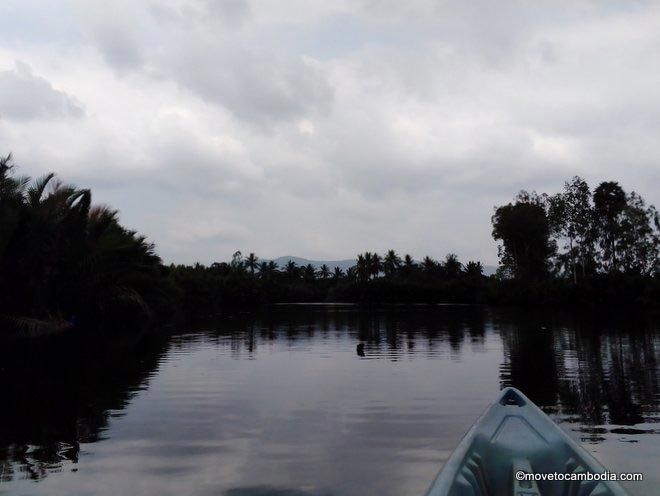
60, 393
604, 374
530, 356
388, 332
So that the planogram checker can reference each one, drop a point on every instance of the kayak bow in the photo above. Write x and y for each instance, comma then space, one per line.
515, 437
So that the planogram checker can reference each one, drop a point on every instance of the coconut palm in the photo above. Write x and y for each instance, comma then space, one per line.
452, 268
391, 263
251, 262
429, 266
362, 266
324, 272
291, 269
309, 274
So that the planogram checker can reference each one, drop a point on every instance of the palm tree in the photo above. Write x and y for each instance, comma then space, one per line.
251, 262
429, 266
375, 265
65, 260
391, 263
474, 270
452, 267
338, 273
309, 274
324, 271
362, 266
291, 269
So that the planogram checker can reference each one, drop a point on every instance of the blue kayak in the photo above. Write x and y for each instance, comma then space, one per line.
516, 449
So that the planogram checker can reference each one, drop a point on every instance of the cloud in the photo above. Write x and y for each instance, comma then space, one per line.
325, 128
25, 96
257, 87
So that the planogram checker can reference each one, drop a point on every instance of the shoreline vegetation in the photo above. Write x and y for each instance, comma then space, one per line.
68, 264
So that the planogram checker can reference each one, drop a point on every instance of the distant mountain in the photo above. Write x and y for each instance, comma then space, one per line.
345, 264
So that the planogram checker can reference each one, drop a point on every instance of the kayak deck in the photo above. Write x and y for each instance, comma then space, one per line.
515, 435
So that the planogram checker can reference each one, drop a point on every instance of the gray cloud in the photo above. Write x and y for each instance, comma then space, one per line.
25, 96
232, 12
256, 87
325, 128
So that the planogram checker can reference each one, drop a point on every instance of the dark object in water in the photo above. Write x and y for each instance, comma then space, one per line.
360, 349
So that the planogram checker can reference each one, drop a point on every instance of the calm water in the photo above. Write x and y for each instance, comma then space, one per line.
284, 403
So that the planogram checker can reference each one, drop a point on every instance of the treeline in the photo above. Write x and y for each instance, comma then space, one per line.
579, 245
65, 263
373, 278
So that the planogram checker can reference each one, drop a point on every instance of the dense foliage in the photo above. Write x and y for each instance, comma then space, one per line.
66, 263
389, 278
606, 243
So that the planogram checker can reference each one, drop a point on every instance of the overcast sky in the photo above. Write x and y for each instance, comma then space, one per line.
322, 129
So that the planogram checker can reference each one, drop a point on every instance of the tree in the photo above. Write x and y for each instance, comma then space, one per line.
526, 247
474, 270
338, 273
610, 202
291, 270
638, 243
374, 263
237, 261
571, 217
452, 267
324, 271
251, 262
429, 266
309, 274
409, 265
391, 263
64, 261
362, 269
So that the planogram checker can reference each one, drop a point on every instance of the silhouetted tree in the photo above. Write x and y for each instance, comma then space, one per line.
452, 267
572, 218
429, 266
251, 262
526, 247
291, 270
309, 274
610, 202
324, 271
391, 263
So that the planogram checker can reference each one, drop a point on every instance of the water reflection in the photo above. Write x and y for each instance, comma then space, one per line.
313, 400
58, 394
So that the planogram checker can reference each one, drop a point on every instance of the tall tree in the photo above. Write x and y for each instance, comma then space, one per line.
452, 267
251, 262
391, 263
610, 202
324, 272
291, 269
638, 244
524, 231
571, 216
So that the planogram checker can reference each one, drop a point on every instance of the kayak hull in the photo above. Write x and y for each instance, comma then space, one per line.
514, 435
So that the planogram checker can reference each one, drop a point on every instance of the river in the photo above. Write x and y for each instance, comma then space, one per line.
284, 402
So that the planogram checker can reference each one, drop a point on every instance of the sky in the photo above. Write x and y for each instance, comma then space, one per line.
323, 129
